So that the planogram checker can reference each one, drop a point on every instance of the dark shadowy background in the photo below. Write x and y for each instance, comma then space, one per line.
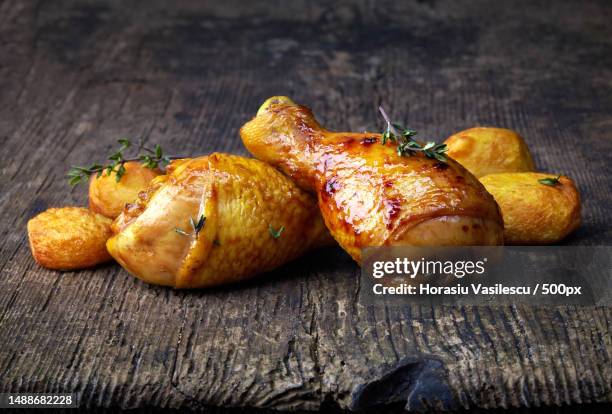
76, 76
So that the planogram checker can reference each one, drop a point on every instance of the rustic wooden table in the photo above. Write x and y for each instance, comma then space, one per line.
74, 77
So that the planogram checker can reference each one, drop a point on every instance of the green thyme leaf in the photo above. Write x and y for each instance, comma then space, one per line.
406, 145
199, 225
120, 172
180, 231
151, 158
275, 233
125, 143
550, 181
385, 136
196, 226
74, 180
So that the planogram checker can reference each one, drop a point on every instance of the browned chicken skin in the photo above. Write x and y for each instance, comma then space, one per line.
256, 219
368, 194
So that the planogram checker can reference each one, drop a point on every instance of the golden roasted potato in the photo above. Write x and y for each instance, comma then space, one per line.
535, 213
108, 197
69, 238
490, 150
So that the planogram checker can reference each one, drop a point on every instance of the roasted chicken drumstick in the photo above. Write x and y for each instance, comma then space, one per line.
368, 194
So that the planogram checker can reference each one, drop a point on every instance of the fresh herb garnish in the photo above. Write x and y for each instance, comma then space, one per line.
551, 181
149, 157
196, 226
406, 145
275, 233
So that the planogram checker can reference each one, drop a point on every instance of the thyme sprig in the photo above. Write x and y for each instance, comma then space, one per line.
551, 181
406, 145
275, 233
149, 157
196, 226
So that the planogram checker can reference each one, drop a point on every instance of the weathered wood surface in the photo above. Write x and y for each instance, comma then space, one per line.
74, 77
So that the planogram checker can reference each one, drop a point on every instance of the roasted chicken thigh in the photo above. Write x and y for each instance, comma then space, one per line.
214, 220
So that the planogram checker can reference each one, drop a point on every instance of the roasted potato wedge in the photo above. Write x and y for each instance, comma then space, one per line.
108, 197
490, 150
535, 213
69, 238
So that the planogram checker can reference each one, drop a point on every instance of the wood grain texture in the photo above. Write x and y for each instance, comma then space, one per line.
76, 76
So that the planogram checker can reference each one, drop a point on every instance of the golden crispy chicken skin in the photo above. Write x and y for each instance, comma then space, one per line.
535, 213
245, 203
369, 195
